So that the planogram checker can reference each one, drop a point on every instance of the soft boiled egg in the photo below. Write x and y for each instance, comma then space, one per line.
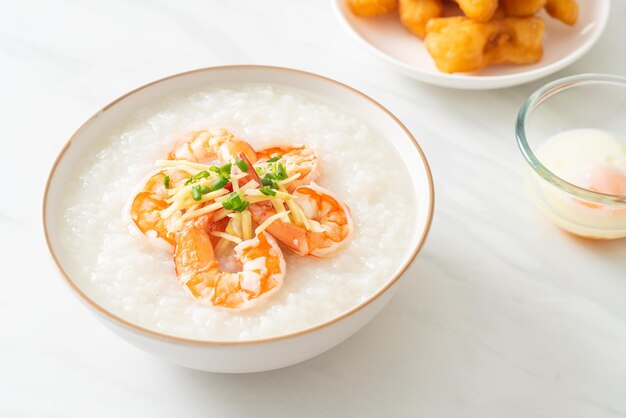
588, 158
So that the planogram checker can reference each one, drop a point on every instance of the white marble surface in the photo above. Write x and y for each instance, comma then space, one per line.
505, 316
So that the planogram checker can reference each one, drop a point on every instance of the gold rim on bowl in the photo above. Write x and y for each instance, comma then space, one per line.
171, 338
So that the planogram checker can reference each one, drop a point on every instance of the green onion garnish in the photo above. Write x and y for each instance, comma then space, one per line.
267, 191
266, 181
197, 177
219, 183
274, 159
278, 172
235, 202
281, 172
204, 189
242, 207
243, 166
223, 171
166, 182
196, 192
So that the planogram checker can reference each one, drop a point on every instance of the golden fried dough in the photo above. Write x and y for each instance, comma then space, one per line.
456, 43
522, 8
370, 8
414, 14
516, 41
459, 44
564, 10
480, 10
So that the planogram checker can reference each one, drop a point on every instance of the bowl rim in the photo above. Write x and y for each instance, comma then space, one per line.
536, 99
470, 81
199, 342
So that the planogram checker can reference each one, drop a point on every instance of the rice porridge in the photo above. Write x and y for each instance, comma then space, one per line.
136, 280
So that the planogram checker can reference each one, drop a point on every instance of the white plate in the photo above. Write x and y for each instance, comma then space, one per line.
391, 42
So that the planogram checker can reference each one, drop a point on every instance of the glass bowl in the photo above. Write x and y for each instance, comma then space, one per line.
589, 102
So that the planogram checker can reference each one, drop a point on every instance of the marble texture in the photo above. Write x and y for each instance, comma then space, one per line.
506, 316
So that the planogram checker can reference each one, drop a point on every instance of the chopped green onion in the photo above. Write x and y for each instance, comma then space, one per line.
166, 182
258, 170
196, 192
275, 158
281, 171
230, 201
204, 189
276, 171
235, 202
223, 171
267, 191
197, 177
266, 181
219, 183
243, 166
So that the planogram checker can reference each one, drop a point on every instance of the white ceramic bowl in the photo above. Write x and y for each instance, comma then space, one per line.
252, 355
390, 42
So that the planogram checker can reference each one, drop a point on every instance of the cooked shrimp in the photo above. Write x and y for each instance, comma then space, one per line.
330, 230
211, 145
297, 159
261, 261
146, 206
215, 144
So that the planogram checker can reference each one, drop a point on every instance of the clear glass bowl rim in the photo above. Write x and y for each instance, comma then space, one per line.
538, 97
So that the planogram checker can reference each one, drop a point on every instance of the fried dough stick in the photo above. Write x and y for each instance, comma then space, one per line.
564, 10
371, 8
522, 8
415, 14
480, 10
459, 44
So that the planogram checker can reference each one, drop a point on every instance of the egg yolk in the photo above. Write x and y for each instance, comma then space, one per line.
602, 178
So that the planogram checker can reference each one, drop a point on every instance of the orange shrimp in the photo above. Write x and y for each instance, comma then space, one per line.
261, 260
214, 144
319, 205
297, 159
211, 145
146, 206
